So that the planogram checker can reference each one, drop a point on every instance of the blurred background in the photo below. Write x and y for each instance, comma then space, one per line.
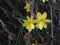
12, 32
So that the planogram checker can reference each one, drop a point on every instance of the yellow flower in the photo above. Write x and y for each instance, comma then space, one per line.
44, 1
29, 24
27, 7
41, 20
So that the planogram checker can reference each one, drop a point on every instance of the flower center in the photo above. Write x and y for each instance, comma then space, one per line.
41, 20
29, 22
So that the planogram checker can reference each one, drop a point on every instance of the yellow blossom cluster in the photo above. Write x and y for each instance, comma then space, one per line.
40, 22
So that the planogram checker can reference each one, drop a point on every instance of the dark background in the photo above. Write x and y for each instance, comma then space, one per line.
9, 9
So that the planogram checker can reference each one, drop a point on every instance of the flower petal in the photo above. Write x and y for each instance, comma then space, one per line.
43, 1
34, 44
48, 21
44, 15
25, 7
54, 1
46, 0
45, 25
38, 15
24, 24
30, 27
28, 17
24, 20
41, 25
28, 10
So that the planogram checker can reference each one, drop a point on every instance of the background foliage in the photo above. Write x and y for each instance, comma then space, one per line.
12, 32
